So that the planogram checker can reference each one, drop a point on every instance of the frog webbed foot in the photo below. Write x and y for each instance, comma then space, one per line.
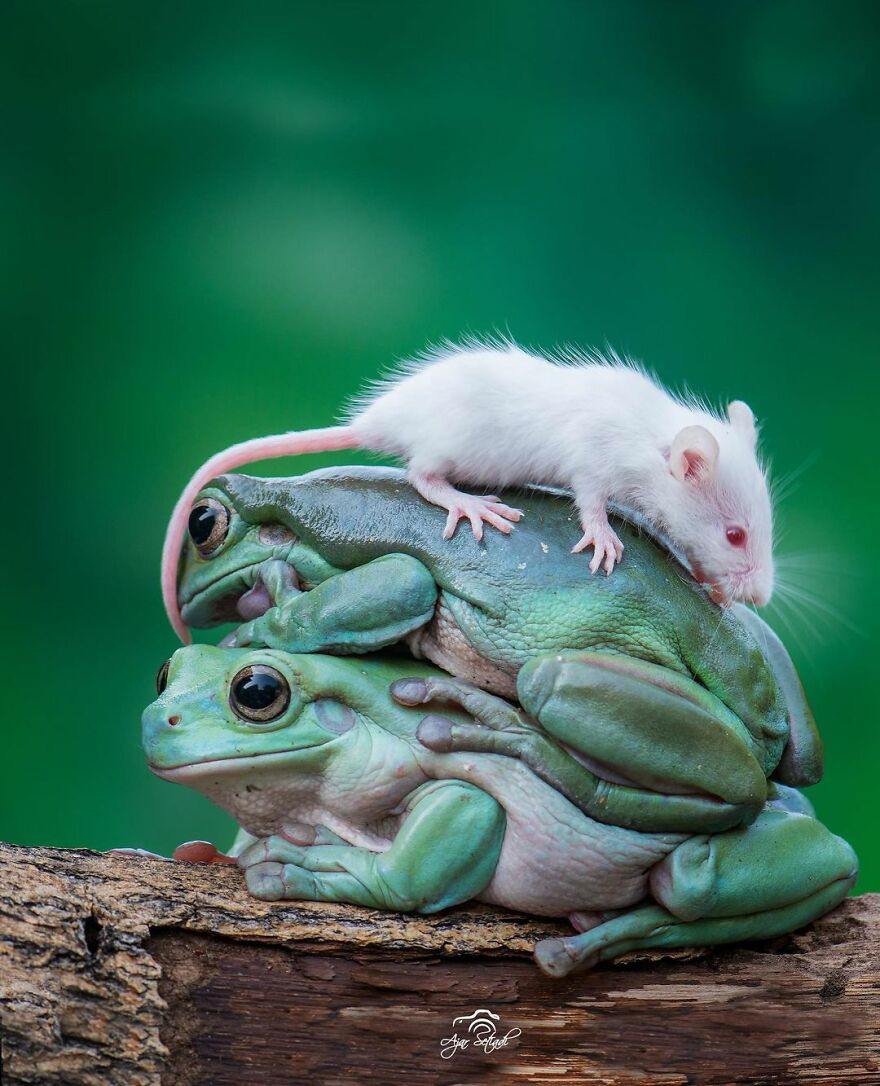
500, 728
294, 846
279, 869
271, 881
265, 605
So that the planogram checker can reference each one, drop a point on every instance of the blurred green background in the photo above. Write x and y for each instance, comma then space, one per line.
216, 221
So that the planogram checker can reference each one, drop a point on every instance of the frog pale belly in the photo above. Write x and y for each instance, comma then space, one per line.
554, 859
442, 642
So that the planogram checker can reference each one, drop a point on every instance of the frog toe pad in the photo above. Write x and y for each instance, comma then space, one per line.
555, 958
265, 881
435, 733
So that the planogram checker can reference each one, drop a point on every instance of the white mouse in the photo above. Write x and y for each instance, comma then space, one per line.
498, 416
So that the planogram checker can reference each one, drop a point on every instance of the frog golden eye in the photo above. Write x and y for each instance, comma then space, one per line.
208, 525
259, 693
162, 677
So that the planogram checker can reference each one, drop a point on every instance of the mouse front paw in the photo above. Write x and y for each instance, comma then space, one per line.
607, 548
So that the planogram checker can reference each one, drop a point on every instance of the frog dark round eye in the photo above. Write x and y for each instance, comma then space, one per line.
208, 525
737, 537
259, 693
162, 677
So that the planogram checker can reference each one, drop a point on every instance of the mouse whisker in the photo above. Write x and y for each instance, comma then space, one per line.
782, 488
812, 565
781, 610
801, 595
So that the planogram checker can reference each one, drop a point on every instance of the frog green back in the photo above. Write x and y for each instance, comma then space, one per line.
353, 515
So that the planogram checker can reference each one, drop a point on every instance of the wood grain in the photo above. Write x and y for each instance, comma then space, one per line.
147, 973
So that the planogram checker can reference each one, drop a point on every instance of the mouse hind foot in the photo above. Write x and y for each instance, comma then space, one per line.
607, 547
475, 508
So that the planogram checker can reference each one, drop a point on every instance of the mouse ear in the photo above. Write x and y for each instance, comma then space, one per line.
693, 455
742, 419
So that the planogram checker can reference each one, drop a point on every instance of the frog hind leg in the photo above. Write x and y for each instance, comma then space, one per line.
776, 875
657, 727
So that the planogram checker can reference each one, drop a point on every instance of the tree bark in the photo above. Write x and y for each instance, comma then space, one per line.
139, 972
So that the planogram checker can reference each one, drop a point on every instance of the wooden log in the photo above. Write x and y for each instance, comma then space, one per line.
138, 972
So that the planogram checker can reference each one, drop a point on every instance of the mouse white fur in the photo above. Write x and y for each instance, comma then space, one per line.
497, 416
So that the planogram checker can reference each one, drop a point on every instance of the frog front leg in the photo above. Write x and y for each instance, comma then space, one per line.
358, 611
668, 756
445, 852
774, 876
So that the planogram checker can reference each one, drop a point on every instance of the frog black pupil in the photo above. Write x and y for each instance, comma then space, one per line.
257, 691
201, 524
259, 694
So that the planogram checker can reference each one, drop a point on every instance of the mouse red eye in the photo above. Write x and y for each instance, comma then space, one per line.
736, 537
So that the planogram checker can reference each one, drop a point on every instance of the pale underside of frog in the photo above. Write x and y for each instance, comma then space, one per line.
319, 759
351, 561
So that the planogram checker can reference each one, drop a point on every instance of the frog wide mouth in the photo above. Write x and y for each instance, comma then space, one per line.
231, 764
220, 595
204, 587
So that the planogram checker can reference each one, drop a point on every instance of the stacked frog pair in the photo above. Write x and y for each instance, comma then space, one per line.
620, 750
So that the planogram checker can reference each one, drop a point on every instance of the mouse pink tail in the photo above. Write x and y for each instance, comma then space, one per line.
328, 439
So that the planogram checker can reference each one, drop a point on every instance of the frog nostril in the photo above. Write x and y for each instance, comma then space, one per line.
173, 720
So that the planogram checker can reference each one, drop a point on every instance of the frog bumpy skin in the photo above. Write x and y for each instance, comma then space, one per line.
351, 561
324, 768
